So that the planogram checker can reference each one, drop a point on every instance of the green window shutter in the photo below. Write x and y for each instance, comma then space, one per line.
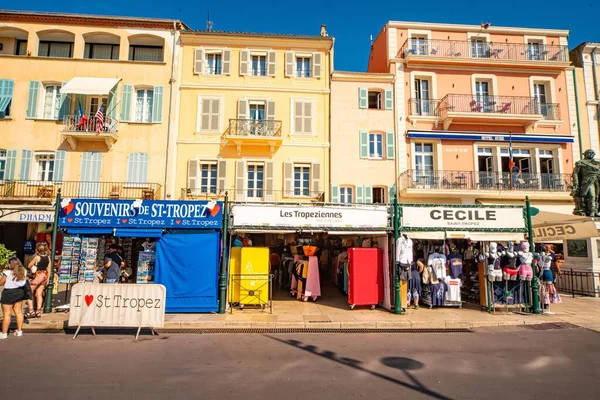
335, 194
59, 165
391, 193
132, 167
111, 107
363, 98
144, 160
389, 99
11, 165
364, 144
6, 94
360, 194
34, 87
65, 105
368, 193
390, 146
157, 104
25, 164
126, 103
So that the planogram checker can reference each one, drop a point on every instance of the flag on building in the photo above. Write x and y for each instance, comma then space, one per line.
82, 117
99, 119
511, 162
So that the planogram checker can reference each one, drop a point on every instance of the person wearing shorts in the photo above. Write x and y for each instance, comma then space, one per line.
16, 289
39, 266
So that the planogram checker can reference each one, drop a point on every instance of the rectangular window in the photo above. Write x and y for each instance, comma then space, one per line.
418, 45
257, 111
534, 51
2, 164
51, 101
424, 157
6, 94
21, 47
375, 145
255, 180
259, 65
101, 51
303, 67
346, 195
375, 100
483, 101
303, 116
55, 49
95, 102
213, 64
422, 97
379, 195
143, 105
479, 48
44, 164
209, 114
145, 53
301, 180
208, 178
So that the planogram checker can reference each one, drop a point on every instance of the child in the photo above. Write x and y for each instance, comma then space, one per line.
98, 274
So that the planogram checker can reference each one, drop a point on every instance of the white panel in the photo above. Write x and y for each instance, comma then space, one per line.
392, 42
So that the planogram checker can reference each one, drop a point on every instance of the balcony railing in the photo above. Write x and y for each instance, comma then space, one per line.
467, 103
478, 50
424, 107
477, 180
44, 190
251, 195
254, 128
74, 123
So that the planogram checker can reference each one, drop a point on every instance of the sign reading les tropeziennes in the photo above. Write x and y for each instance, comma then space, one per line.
140, 214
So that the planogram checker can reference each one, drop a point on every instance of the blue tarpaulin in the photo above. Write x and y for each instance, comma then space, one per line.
188, 264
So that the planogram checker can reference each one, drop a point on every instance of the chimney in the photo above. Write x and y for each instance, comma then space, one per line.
324, 31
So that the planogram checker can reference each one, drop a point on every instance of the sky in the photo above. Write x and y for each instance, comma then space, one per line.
351, 22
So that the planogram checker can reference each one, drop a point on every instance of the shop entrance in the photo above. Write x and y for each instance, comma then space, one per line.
13, 236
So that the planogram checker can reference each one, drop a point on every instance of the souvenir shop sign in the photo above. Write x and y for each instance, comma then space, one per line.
140, 214
310, 217
117, 305
462, 218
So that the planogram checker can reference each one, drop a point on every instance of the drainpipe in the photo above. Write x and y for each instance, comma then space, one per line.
596, 94
171, 83
577, 112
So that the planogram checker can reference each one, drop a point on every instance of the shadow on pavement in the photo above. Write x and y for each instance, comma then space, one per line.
400, 363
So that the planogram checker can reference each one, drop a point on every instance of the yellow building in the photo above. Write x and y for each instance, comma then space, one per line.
57, 71
253, 116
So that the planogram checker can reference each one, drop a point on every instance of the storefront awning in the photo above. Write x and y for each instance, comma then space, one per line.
550, 226
490, 137
141, 233
89, 231
89, 86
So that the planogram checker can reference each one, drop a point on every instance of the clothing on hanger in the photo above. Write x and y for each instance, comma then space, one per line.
404, 250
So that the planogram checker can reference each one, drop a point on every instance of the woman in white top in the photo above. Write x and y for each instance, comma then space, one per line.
14, 280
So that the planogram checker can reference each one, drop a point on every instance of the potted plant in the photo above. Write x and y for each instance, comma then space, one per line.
5, 255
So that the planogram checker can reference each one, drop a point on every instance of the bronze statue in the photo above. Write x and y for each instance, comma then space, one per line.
586, 185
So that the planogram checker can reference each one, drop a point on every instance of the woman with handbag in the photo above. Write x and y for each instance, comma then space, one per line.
16, 289
39, 266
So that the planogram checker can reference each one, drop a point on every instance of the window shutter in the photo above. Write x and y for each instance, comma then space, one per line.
335, 194
390, 146
270, 110
25, 165
198, 61
6, 89
226, 64
242, 109
132, 167
316, 178
202, 120
65, 105
363, 98
11, 165
368, 194
84, 171
271, 63
360, 197
269, 181
59, 165
215, 117
317, 61
34, 87
222, 176
308, 117
192, 175
240, 180
389, 99
244, 62
298, 117
391, 193
157, 104
111, 107
143, 161
288, 179
364, 144
289, 63
126, 103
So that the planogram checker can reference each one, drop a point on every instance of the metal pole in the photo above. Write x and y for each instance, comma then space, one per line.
50, 287
397, 283
535, 285
572, 285
224, 257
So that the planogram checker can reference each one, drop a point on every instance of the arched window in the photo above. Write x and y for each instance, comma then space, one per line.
146, 48
101, 46
56, 43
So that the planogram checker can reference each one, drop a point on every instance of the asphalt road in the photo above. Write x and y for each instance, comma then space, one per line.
496, 364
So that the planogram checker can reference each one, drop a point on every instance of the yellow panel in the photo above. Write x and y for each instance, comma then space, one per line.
252, 283
235, 258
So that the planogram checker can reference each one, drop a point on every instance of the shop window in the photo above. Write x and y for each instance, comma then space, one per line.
255, 180
301, 180
3, 161
375, 99
346, 195
44, 167
379, 195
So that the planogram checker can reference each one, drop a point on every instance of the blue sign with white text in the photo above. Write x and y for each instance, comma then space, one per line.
145, 214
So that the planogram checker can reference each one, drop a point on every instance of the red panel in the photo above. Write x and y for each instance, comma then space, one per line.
365, 280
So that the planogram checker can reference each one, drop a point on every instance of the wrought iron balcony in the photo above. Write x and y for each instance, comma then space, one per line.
484, 181
254, 195
424, 107
254, 128
503, 105
74, 123
46, 190
458, 49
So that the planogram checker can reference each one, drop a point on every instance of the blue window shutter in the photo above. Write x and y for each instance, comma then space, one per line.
6, 94
363, 98
360, 195
25, 164
34, 87
59, 165
65, 105
335, 194
391, 193
157, 104
364, 144
143, 177
390, 146
389, 99
111, 107
368, 193
126, 103
11, 165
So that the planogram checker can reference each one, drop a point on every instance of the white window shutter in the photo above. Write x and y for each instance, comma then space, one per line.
271, 63
289, 63
364, 144
240, 180
132, 167
242, 109
270, 110
269, 181
389, 99
308, 116
192, 175
335, 194
222, 176
360, 197
226, 64
244, 62
317, 64
298, 112
390, 146
198, 61
144, 161
215, 116
363, 98
288, 179
315, 171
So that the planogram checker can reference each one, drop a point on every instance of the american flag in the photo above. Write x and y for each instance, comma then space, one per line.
99, 119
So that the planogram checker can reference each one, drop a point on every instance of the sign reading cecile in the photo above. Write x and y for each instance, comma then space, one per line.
310, 217
464, 217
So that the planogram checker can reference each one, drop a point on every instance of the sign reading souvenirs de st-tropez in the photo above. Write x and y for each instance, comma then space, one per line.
464, 217
140, 214
369, 217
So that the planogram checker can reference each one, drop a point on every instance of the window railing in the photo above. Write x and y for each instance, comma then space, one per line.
424, 107
468, 49
254, 195
75, 123
254, 128
500, 105
46, 190
480, 180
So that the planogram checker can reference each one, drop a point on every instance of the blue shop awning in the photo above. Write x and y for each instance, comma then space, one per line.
143, 233
89, 231
490, 137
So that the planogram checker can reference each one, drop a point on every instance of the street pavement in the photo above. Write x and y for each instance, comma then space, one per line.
523, 362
